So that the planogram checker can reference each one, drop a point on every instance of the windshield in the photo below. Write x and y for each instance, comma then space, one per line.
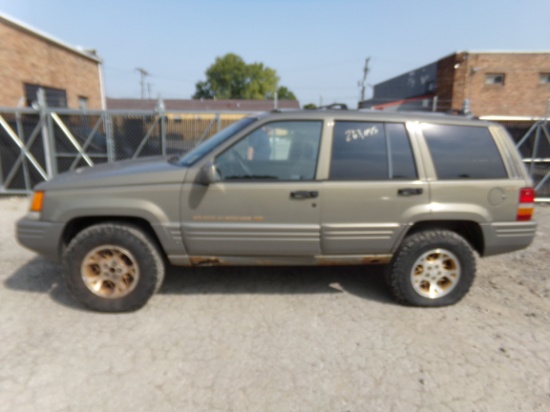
205, 147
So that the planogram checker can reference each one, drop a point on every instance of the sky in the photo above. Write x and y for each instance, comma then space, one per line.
317, 47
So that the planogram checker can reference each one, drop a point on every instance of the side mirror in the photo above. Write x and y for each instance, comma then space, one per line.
207, 174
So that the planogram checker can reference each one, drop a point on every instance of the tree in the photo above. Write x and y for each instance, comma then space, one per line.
229, 77
284, 94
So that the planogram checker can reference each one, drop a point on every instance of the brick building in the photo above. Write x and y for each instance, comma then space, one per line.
509, 84
30, 59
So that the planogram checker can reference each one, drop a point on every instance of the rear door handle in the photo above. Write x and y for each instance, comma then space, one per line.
409, 191
304, 194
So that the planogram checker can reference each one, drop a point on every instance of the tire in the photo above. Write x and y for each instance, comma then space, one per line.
113, 267
432, 268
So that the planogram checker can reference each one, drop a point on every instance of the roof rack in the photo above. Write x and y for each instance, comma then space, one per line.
339, 106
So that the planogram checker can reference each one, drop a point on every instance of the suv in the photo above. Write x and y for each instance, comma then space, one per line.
418, 193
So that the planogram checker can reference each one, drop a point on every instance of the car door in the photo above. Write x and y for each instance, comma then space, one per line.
372, 189
264, 201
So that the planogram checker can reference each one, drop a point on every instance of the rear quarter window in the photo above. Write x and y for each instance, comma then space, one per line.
463, 152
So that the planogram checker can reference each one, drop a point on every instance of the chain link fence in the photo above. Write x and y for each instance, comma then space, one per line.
532, 138
37, 144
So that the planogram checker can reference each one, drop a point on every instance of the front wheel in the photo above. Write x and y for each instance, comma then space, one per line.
432, 268
113, 267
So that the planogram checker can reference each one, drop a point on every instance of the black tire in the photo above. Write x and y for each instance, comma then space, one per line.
113, 267
432, 268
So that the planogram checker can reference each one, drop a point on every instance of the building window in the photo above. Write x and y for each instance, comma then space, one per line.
494, 78
544, 78
54, 97
82, 102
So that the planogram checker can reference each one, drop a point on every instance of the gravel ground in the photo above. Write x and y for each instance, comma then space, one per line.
276, 339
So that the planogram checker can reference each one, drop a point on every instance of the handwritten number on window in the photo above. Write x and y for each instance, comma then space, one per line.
360, 134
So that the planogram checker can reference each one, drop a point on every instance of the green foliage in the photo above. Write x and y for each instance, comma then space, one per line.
284, 94
229, 77
203, 91
310, 106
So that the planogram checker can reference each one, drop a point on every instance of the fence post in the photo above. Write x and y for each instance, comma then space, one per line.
47, 138
466, 107
160, 110
434, 104
21, 134
110, 143
219, 117
535, 148
2, 188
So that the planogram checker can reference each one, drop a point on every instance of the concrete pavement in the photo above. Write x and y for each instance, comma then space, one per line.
275, 339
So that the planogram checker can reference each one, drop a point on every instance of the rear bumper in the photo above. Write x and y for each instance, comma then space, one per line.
42, 237
507, 237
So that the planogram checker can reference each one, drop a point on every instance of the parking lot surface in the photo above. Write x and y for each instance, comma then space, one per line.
276, 339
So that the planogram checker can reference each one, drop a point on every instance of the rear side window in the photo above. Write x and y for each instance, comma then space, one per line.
371, 151
463, 152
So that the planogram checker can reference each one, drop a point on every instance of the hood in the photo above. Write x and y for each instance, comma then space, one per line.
134, 172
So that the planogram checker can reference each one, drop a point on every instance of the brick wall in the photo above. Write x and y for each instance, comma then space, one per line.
28, 58
520, 95
445, 83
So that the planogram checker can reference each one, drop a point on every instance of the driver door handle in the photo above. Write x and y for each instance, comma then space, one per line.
409, 191
304, 194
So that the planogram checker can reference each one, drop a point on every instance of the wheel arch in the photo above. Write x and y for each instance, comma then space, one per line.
76, 225
469, 230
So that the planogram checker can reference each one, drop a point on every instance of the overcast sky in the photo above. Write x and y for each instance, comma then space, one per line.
317, 47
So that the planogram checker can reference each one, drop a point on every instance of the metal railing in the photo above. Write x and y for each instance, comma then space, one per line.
535, 149
39, 143
532, 138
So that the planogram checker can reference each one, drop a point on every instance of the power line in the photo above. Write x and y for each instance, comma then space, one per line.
154, 76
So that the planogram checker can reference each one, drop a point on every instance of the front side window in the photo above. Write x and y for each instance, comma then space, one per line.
276, 151
371, 151
463, 152
207, 146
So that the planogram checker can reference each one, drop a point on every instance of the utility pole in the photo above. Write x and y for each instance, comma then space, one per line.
364, 82
142, 73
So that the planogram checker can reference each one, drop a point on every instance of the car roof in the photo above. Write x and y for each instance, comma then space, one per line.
374, 115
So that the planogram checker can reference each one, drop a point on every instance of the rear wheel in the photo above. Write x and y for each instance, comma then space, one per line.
432, 268
113, 267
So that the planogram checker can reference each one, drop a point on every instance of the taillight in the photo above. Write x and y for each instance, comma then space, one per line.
526, 204
527, 195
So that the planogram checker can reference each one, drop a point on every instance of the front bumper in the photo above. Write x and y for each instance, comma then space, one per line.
42, 237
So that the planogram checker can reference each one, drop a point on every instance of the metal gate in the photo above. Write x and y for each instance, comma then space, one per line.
36, 144
535, 149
